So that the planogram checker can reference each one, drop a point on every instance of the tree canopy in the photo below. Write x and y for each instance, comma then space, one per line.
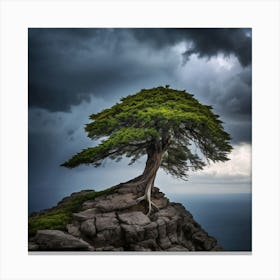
174, 130
161, 120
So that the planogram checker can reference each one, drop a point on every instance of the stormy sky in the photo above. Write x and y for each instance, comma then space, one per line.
73, 73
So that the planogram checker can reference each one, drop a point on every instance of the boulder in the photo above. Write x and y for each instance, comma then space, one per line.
106, 221
133, 233
111, 236
88, 228
85, 215
32, 246
164, 243
134, 218
116, 202
161, 227
57, 240
151, 231
73, 230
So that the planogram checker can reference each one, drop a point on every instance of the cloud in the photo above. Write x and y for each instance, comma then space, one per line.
239, 164
233, 176
219, 81
205, 42
223, 83
66, 65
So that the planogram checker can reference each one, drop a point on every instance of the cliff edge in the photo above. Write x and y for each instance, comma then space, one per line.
111, 220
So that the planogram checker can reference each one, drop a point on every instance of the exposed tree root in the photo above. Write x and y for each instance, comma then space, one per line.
150, 203
148, 196
147, 179
147, 185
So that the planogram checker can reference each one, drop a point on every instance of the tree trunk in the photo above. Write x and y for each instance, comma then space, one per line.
147, 178
152, 164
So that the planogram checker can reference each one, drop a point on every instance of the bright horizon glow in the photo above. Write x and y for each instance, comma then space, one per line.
233, 176
238, 165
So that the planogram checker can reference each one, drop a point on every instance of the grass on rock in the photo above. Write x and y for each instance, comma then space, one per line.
61, 215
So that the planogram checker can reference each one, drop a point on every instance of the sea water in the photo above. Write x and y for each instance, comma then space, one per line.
227, 217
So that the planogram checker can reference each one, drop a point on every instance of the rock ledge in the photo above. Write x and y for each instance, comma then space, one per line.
115, 222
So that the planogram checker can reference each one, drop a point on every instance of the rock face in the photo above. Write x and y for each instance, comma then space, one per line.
56, 239
115, 222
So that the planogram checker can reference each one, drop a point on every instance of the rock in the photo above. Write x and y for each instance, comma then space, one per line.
88, 228
73, 230
177, 248
115, 222
199, 237
146, 246
109, 237
169, 212
164, 243
133, 233
110, 248
58, 240
88, 204
209, 243
116, 202
161, 228
217, 248
189, 229
32, 246
106, 221
75, 194
151, 230
156, 193
160, 202
171, 225
188, 244
149, 244
171, 230
129, 189
85, 215
134, 218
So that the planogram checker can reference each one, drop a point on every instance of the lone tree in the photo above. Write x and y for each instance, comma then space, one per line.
166, 125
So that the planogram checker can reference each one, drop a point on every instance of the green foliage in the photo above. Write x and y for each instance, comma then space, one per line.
168, 121
61, 215
54, 220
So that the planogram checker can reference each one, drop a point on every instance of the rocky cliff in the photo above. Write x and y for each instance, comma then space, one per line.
113, 221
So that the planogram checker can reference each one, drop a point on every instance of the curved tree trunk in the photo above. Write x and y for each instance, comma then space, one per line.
147, 179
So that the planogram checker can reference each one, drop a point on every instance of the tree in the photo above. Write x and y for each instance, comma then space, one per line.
167, 125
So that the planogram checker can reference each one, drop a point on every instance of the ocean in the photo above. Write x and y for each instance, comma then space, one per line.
227, 217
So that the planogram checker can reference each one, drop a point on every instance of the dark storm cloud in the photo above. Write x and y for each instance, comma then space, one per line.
241, 132
62, 70
205, 42
233, 97
67, 66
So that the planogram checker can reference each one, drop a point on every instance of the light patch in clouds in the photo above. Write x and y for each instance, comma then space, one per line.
226, 62
233, 176
238, 165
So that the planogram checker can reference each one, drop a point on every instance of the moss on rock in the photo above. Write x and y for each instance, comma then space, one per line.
61, 215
